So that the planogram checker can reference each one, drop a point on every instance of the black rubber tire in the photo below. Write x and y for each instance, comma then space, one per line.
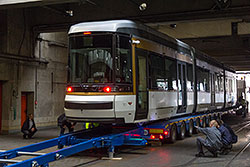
190, 129
218, 117
173, 134
214, 116
204, 119
197, 123
208, 120
182, 133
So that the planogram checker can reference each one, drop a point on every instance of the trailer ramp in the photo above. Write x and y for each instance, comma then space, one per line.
77, 142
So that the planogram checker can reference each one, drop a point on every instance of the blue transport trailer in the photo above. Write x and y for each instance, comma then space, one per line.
178, 128
76, 142
109, 137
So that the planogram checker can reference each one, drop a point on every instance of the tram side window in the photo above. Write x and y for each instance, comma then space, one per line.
163, 73
230, 85
203, 80
221, 84
158, 73
170, 69
123, 60
190, 81
216, 83
200, 86
227, 85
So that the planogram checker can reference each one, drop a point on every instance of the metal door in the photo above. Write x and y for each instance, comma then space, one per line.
142, 89
182, 86
23, 108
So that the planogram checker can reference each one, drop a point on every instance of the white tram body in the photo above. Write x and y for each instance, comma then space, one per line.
124, 72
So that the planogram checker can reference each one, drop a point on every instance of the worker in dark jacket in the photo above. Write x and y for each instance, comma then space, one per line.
212, 142
63, 122
243, 103
226, 136
29, 127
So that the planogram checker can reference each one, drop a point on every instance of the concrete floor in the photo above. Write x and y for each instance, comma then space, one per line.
179, 154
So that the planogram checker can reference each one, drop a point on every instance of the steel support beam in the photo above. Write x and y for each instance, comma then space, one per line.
234, 12
5, 4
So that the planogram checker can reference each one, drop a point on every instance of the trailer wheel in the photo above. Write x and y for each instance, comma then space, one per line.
204, 122
197, 123
208, 120
219, 117
215, 116
173, 134
182, 133
190, 130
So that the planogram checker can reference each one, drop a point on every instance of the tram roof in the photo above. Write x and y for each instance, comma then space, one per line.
131, 27
107, 26
121, 26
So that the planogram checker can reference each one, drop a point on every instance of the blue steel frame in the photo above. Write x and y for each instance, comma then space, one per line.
76, 145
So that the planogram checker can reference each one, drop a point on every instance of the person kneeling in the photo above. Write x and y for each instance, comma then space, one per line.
226, 138
29, 127
212, 142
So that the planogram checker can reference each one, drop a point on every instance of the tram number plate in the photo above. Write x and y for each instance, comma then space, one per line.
155, 130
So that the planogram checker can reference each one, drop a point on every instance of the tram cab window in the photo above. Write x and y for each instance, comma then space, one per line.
123, 60
91, 59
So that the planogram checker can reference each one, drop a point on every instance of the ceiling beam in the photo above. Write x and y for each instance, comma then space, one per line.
233, 12
7, 4
233, 58
238, 63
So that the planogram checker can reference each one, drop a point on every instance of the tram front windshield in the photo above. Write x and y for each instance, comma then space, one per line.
92, 60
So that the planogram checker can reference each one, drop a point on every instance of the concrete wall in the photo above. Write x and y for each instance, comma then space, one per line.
44, 84
51, 81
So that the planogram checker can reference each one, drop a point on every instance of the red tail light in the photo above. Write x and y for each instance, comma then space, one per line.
87, 33
161, 137
69, 89
152, 137
166, 133
107, 89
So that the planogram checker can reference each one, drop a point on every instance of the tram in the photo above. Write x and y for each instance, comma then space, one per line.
124, 72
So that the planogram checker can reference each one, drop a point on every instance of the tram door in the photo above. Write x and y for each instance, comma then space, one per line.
182, 86
142, 90
212, 76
